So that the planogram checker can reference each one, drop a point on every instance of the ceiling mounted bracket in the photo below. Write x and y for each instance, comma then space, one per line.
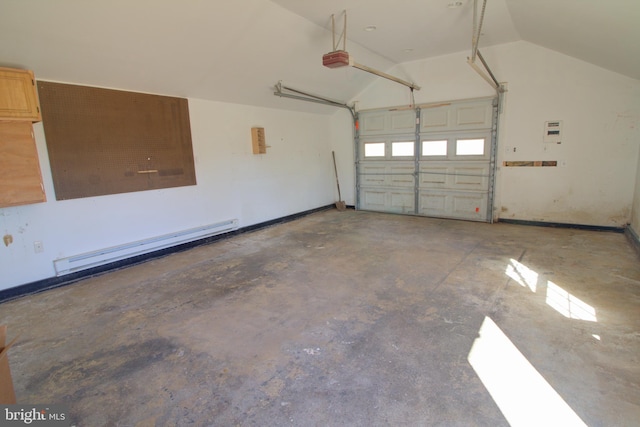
341, 58
485, 73
343, 36
477, 27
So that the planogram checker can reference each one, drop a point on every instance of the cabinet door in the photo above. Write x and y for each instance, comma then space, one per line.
18, 99
20, 177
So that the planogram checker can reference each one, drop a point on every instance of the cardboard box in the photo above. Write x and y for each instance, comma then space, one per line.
7, 394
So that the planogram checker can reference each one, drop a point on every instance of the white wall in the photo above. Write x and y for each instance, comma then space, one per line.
600, 110
295, 175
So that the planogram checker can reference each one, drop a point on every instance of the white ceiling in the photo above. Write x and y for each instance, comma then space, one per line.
236, 50
605, 33
407, 30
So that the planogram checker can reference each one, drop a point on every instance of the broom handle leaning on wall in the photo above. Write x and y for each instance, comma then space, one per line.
335, 168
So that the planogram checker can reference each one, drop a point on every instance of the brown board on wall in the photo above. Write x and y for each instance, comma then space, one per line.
104, 141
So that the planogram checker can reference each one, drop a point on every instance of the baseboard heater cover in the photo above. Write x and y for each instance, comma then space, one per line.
115, 253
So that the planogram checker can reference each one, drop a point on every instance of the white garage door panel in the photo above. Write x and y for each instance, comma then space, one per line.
470, 206
403, 176
387, 122
448, 176
435, 119
402, 202
473, 116
468, 115
471, 178
374, 175
433, 204
433, 177
374, 199
448, 204
455, 175
373, 123
395, 201
387, 174
405, 121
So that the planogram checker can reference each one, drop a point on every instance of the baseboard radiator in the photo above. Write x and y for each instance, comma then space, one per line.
115, 253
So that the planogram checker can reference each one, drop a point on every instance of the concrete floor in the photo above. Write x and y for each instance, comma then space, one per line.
347, 318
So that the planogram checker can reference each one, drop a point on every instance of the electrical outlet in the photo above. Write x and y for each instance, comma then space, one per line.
38, 247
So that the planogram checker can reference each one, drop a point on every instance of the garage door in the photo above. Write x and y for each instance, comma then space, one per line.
436, 160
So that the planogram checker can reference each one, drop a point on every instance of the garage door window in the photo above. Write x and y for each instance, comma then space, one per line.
434, 148
470, 147
374, 149
402, 149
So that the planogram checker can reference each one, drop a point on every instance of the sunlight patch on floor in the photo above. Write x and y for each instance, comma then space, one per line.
557, 298
522, 274
568, 305
520, 391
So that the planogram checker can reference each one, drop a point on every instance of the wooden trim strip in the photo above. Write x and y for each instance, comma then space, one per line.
530, 163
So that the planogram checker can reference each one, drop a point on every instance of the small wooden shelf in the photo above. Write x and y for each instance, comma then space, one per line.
258, 141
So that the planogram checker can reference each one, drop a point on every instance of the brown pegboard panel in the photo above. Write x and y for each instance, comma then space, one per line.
103, 141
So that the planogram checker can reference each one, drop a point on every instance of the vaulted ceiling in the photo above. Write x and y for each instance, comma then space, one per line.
236, 50
605, 33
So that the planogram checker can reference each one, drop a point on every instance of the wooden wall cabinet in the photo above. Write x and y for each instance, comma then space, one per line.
20, 176
18, 95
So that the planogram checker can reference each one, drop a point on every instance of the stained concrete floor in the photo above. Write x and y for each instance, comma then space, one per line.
346, 319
